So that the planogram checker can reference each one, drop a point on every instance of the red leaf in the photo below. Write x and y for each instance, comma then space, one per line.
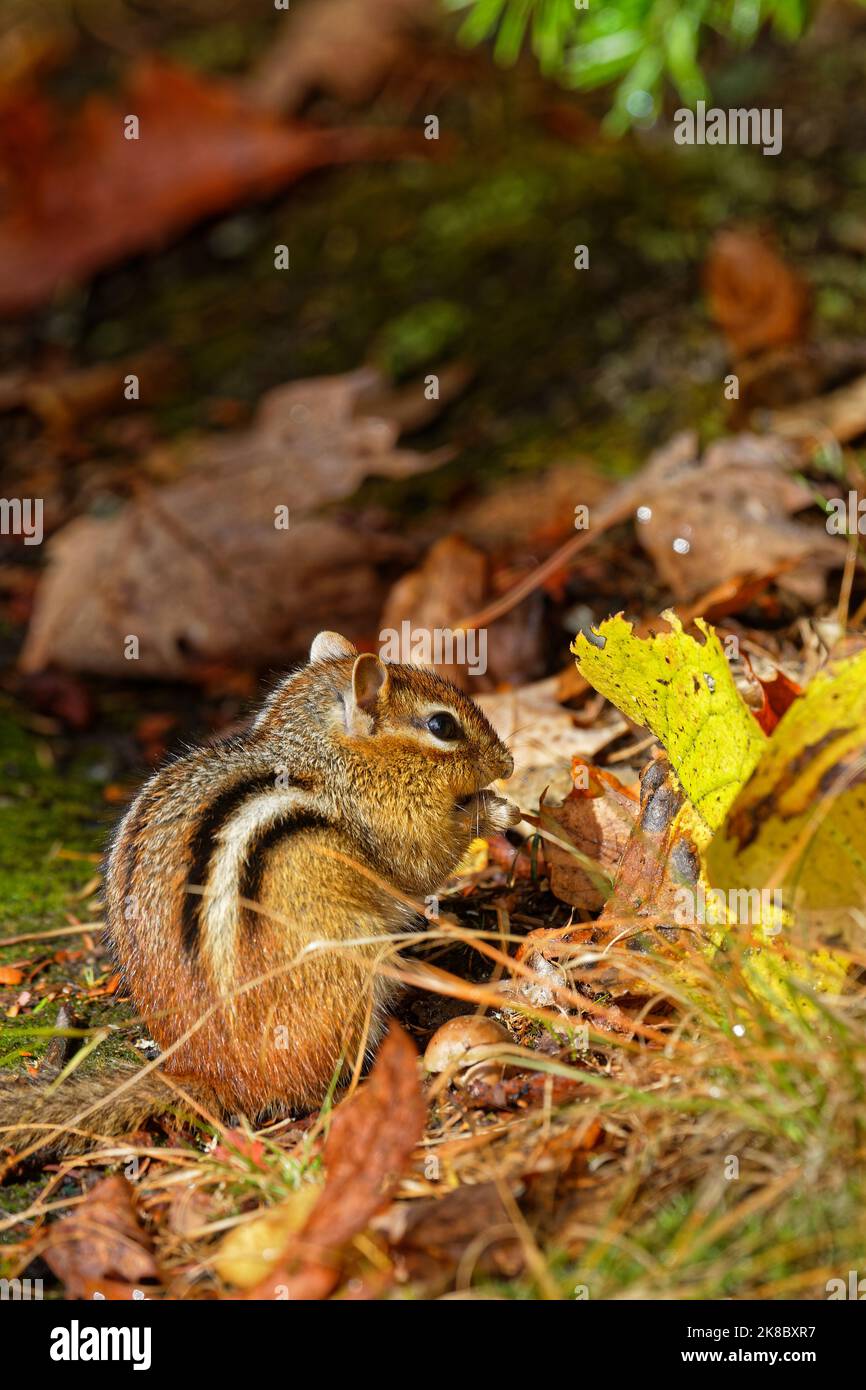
777, 696
81, 197
240, 1145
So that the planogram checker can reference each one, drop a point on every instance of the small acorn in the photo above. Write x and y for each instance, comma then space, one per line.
465, 1045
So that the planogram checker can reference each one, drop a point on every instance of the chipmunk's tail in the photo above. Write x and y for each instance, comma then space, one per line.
87, 1108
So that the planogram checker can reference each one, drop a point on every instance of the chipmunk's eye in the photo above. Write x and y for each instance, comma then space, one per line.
443, 725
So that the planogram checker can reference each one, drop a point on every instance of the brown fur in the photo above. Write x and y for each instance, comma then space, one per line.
366, 812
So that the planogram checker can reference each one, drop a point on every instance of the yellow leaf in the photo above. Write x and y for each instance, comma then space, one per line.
788, 812
249, 1251
799, 824
683, 691
474, 860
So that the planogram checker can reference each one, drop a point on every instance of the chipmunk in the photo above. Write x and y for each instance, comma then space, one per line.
254, 884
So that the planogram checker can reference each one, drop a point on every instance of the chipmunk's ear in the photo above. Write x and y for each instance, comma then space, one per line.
330, 646
369, 682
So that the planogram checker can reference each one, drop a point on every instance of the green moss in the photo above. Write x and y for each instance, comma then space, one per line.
224, 46
43, 808
49, 803
421, 337
412, 262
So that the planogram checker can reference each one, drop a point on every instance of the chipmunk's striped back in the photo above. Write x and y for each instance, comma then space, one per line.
254, 885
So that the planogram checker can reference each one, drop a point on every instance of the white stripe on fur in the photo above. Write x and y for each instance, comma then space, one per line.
221, 909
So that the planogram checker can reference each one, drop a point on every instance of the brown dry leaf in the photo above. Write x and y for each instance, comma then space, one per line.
430, 1237
659, 859
596, 819
840, 414
756, 299
533, 514
527, 1091
783, 377
543, 738
201, 570
82, 196
101, 1248
726, 514
370, 1141
345, 48
409, 408
62, 400
618, 506
426, 602
667, 481
188, 1210
452, 577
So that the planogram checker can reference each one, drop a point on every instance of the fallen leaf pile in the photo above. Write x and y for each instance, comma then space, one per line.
651, 861
727, 513
239, 537
708, 520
